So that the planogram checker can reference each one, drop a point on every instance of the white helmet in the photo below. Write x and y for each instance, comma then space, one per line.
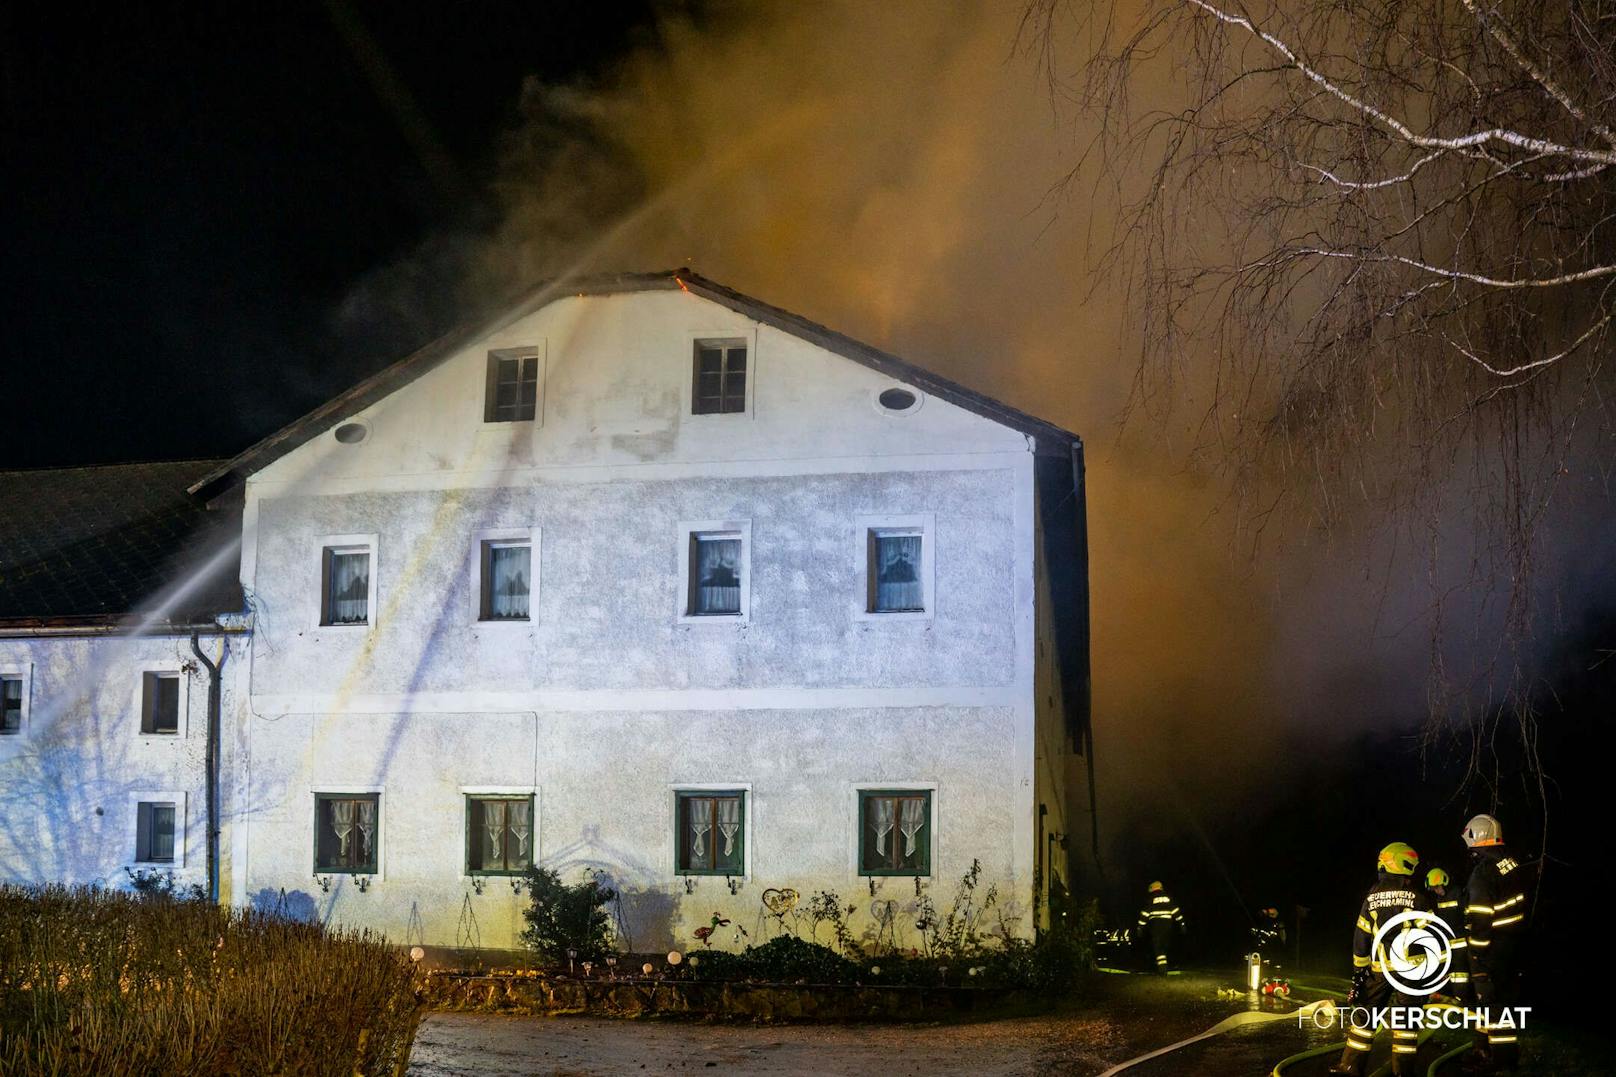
1483, 830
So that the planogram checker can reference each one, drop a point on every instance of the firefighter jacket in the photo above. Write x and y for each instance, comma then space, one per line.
1160, 909
1494, 902
1390, 896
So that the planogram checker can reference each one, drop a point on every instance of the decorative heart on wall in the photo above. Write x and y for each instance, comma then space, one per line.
780, 901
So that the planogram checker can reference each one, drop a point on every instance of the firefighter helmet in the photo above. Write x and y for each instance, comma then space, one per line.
1398, 859
1483, 830
1435, 877
1156, 888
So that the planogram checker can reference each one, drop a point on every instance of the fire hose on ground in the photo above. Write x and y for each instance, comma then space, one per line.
1228, 1024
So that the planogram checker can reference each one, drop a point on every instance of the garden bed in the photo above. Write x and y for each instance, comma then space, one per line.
555, 994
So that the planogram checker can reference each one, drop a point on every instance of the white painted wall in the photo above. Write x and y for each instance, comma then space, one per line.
607, 699
70, 780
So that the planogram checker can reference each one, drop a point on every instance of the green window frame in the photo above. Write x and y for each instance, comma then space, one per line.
882, 844
511, 852
700, 845
352, 852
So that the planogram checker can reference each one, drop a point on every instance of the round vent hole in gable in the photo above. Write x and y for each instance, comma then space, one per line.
351, 433
897, 399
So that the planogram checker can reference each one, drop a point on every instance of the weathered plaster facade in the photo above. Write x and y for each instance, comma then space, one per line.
71, 777
608, 700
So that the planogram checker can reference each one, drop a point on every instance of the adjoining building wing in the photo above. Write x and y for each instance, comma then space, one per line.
96, 545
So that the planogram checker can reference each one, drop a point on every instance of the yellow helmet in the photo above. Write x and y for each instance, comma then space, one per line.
1398, 859
1436, 877
1156, 886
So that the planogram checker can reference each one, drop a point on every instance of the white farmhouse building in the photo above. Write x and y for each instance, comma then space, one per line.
639, 575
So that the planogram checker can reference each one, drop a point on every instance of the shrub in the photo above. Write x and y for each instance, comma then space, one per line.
152, 883
785, 959
104, 983
561, 917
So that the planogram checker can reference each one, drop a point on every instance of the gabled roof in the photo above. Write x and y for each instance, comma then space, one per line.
90, 545
1049, 439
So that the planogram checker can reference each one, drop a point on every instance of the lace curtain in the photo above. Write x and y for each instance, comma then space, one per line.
350, 588
911, 817
367, 828
509, 569
507, 828
718, 579
898, 585
729, 823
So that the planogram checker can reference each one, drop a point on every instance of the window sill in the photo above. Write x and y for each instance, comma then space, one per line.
895, 617
503, 622
923, 876
143, 735
713, 619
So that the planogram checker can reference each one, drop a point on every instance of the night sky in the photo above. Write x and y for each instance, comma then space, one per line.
187, 195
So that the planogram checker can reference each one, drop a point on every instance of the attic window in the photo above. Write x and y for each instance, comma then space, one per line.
898, 401
513, 386
351, 433
720, 378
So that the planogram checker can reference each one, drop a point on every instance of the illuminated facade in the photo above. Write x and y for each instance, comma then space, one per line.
651, 579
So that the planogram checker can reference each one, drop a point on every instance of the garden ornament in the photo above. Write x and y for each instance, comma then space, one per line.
780, 901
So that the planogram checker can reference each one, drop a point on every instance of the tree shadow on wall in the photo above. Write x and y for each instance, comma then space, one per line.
281, 905
643, 913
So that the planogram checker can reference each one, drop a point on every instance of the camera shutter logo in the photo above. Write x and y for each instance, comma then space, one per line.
1415, 951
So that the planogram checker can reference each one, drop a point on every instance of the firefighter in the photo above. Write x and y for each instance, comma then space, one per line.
1269, 934
1159, 917
1437, 882
1395, 892
1494, 922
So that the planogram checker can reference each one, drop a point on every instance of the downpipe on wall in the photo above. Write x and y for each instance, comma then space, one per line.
211, 755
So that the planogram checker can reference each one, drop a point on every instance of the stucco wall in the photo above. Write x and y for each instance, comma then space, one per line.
606, 613
70, 781
605, 800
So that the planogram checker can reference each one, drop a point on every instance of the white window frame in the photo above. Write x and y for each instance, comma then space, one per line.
748, 815
311, 834
923, 522
465, 837
541, 356
346, 543
23, 672
164, 669
688, 529
180, 799
474, 572
687, 392
854, 796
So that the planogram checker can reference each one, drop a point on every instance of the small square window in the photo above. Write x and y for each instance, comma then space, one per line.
715, 574
10, 705
513, 386
507, 580
154, 832
720, 377
896, 572
345, 832
894, 832
346, 586
499, 835
712, 833
160, 703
